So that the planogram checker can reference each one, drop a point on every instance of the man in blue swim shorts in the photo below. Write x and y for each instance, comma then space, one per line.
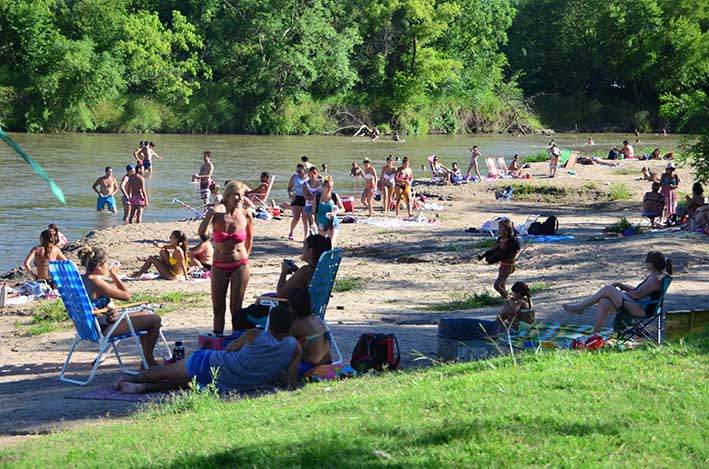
257, 357
106, 186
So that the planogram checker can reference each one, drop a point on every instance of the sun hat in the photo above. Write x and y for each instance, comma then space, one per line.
670, 166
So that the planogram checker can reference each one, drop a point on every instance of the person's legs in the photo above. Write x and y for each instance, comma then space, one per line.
477, 170
398, 194
143, 321
126, 209
609, 292
332, 234
133, 210
605, 307
239, 281
502, 274
386, 198
297, 212
139, 214
159, 378
220, 284
407, 196
473, 164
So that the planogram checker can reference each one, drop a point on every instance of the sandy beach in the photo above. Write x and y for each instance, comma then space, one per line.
404, 270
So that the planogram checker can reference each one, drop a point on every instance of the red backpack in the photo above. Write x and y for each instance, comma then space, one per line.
378, 351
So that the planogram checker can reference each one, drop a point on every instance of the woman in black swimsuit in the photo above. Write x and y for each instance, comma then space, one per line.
620, 295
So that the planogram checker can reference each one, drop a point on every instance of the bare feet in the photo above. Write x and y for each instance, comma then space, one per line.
132, 388
119, 382
569, 308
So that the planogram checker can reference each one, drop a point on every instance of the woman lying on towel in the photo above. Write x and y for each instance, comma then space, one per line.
635, 300
309, 330
313, 247
101, 293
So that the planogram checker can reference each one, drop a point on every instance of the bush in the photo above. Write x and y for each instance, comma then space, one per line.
619, 191
535, 158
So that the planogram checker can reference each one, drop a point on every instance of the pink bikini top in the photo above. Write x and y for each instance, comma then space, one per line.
236, 237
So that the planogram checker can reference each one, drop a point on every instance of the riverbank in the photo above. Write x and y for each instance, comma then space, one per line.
402, 277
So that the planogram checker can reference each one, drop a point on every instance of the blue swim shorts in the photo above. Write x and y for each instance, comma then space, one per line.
103, 201
147, 164
198, 366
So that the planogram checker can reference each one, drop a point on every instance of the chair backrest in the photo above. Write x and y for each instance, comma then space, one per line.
659, 303
571, 162
492, 168
263, 198
323, 280
75, 298
503, 166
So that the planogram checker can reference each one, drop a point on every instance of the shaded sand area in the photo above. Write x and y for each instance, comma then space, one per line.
404, 272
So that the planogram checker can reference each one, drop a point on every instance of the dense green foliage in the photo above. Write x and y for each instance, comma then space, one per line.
559, 409
298, 67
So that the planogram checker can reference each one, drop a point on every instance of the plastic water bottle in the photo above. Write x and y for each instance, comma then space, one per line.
3, 295
179, 351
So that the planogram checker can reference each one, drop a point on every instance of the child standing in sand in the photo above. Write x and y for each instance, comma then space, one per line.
505, 252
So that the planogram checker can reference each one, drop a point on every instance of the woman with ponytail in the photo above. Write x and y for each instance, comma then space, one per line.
95, 260
170, 265
41, 255
635, 300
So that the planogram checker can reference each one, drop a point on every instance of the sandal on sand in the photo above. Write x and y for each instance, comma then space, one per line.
290, 237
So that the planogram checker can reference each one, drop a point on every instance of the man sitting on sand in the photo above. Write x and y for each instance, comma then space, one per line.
515, 168
257, 357
627, 151
653, 204
108, 186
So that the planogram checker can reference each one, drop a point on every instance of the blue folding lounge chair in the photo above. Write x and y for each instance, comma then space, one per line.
628, 326
81, 311
319, 289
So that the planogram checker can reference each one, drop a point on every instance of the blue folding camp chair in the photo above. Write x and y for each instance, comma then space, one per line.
319, 290
628, 326
78, 305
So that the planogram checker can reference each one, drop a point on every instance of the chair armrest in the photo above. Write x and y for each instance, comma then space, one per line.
98, 312
270, 300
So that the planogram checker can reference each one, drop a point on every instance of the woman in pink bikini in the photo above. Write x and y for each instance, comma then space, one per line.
233, 237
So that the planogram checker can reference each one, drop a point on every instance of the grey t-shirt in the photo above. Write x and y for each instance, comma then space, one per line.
255, 364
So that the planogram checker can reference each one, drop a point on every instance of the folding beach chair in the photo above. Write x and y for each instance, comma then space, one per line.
435, 175
492, 171
78, 305
319, 289
628, 326
503, 167
262, 199
565, 155
571, 162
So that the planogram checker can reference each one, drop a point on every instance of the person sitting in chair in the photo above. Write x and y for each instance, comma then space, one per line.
309, 330
256, 358
635, 300
259, 194
95, 260
653, 204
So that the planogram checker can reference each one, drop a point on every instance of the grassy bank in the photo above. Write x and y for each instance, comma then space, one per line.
605, 409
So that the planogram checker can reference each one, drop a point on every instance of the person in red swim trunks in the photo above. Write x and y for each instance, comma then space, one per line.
232, 224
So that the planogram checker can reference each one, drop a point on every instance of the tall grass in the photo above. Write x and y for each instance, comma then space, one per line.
619, 191
348, 284
462, 301
535, 158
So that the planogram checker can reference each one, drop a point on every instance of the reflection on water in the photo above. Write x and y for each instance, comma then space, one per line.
74, 161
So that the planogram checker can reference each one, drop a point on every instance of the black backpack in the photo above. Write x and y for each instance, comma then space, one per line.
549, 227
378, 351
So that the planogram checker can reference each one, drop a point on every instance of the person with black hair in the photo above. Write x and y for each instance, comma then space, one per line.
517, 307
149, 154
634, 299
101, 293
59, 239
257, 357
170, 265
42, 254
309, 330
201, 254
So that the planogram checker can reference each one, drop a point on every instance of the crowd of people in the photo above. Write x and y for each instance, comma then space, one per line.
295, 339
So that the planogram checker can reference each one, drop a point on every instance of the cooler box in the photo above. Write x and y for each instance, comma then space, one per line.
348, 203
212, 342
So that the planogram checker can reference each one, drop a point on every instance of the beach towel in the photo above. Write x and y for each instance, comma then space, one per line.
330, 372
397, 222
432, 207
549, 335
545, 238
145, 276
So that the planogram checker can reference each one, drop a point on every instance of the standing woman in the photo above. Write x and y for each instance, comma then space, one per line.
402, 179
295, 190
41, 255
328, 204
387, 183
370, 176
170, 265
505, 252
233, 239
668, 187
311, 188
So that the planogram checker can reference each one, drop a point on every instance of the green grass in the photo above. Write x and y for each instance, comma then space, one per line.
537, 287
348, 284
645, 407
461, 301
619, 191
51, 315
535, 158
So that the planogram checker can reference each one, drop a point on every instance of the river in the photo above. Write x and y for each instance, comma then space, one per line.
74, 161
